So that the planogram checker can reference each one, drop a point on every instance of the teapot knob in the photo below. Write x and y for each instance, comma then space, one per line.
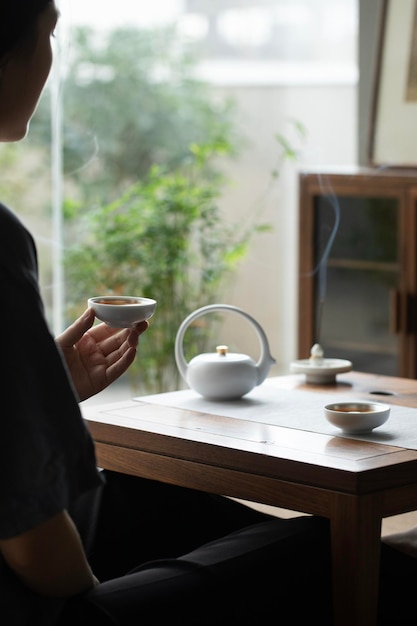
222, 350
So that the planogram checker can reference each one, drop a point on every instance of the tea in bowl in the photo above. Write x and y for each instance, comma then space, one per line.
359, 417
122, 311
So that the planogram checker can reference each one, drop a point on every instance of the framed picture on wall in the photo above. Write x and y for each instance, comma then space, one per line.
393, 136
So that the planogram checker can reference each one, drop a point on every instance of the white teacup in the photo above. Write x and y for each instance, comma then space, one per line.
122, 311
357, 417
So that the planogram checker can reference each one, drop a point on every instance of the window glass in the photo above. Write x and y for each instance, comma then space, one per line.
118, 102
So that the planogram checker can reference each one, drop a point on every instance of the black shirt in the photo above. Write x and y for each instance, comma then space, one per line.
47, 459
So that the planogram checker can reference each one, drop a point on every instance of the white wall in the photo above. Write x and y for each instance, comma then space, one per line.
265, 285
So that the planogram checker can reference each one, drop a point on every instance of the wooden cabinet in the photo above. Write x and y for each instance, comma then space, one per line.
358, 267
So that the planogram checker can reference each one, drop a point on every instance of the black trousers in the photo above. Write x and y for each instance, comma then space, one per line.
166, 554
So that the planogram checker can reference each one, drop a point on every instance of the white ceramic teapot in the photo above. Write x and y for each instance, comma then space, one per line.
222, 375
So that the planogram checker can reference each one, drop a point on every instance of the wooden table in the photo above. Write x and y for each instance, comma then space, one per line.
354, 483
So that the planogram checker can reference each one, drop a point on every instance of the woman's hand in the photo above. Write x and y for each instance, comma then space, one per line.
97, 355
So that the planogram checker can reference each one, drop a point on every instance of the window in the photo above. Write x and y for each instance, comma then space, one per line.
262, 55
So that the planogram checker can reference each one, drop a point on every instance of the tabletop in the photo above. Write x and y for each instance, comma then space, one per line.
177, 423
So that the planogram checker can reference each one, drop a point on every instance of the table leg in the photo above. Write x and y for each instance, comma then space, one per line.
356, 534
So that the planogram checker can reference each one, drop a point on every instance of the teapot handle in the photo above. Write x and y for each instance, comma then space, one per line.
265, 360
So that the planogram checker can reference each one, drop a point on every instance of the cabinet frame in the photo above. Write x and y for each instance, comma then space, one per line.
400, 185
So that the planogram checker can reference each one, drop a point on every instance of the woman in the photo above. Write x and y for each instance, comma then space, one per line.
80, 546
65, 527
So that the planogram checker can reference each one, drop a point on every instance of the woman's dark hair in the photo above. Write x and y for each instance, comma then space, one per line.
17, 18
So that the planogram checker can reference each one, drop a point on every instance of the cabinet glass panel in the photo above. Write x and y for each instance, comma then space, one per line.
356, 270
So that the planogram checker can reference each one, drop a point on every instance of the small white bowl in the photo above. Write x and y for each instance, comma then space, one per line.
357, 417
122, 311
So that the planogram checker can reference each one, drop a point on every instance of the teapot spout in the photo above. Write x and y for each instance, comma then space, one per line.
264, 365
266, 360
